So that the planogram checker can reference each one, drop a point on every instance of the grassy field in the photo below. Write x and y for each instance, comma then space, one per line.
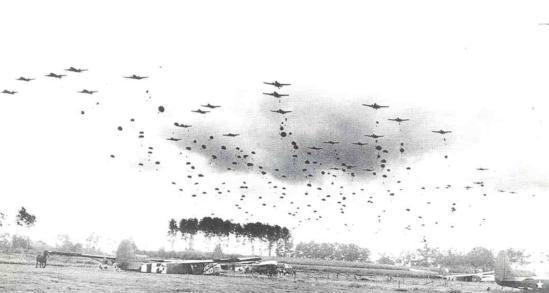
18, 274
337, 263
356, 268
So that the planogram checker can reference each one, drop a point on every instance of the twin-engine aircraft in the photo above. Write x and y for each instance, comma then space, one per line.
508, 277
277, 84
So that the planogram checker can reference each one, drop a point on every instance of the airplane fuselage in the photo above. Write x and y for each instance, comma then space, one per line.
527, 284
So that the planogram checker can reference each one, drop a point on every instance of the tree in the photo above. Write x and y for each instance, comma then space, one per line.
517, 256
325, 251
92, 242
5, 242
274, 233
24, 218
284, 244
125, 254
191, 230
2, 218
385, 260
173, 228
66, 245
332, 251
218, 252
172, 231
20, 242
481, 258
77, 247
427, 255
452, 259
272, 236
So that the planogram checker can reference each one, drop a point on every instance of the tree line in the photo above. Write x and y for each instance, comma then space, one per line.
274, 236
331, 251
478, 258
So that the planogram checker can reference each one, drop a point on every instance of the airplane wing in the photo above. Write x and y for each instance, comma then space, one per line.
238, 259
459, 276
62, 253
185, 261
206, 261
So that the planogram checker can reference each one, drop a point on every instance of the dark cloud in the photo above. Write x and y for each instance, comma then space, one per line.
279, 145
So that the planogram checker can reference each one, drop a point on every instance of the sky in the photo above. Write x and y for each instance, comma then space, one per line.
476, 69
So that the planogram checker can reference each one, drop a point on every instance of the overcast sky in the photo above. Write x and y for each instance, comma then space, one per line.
476, 69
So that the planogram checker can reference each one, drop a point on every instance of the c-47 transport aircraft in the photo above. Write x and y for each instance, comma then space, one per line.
509, 277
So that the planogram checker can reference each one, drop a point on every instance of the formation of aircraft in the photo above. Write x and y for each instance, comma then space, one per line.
294, 164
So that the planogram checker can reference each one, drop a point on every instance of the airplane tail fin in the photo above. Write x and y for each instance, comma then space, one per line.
503, 269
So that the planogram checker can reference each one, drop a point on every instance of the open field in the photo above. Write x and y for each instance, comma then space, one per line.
18, 274
25, 278
337, 263
356, 268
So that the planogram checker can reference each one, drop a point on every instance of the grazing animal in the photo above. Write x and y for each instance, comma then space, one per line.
104, 264
41, 259
285, 270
